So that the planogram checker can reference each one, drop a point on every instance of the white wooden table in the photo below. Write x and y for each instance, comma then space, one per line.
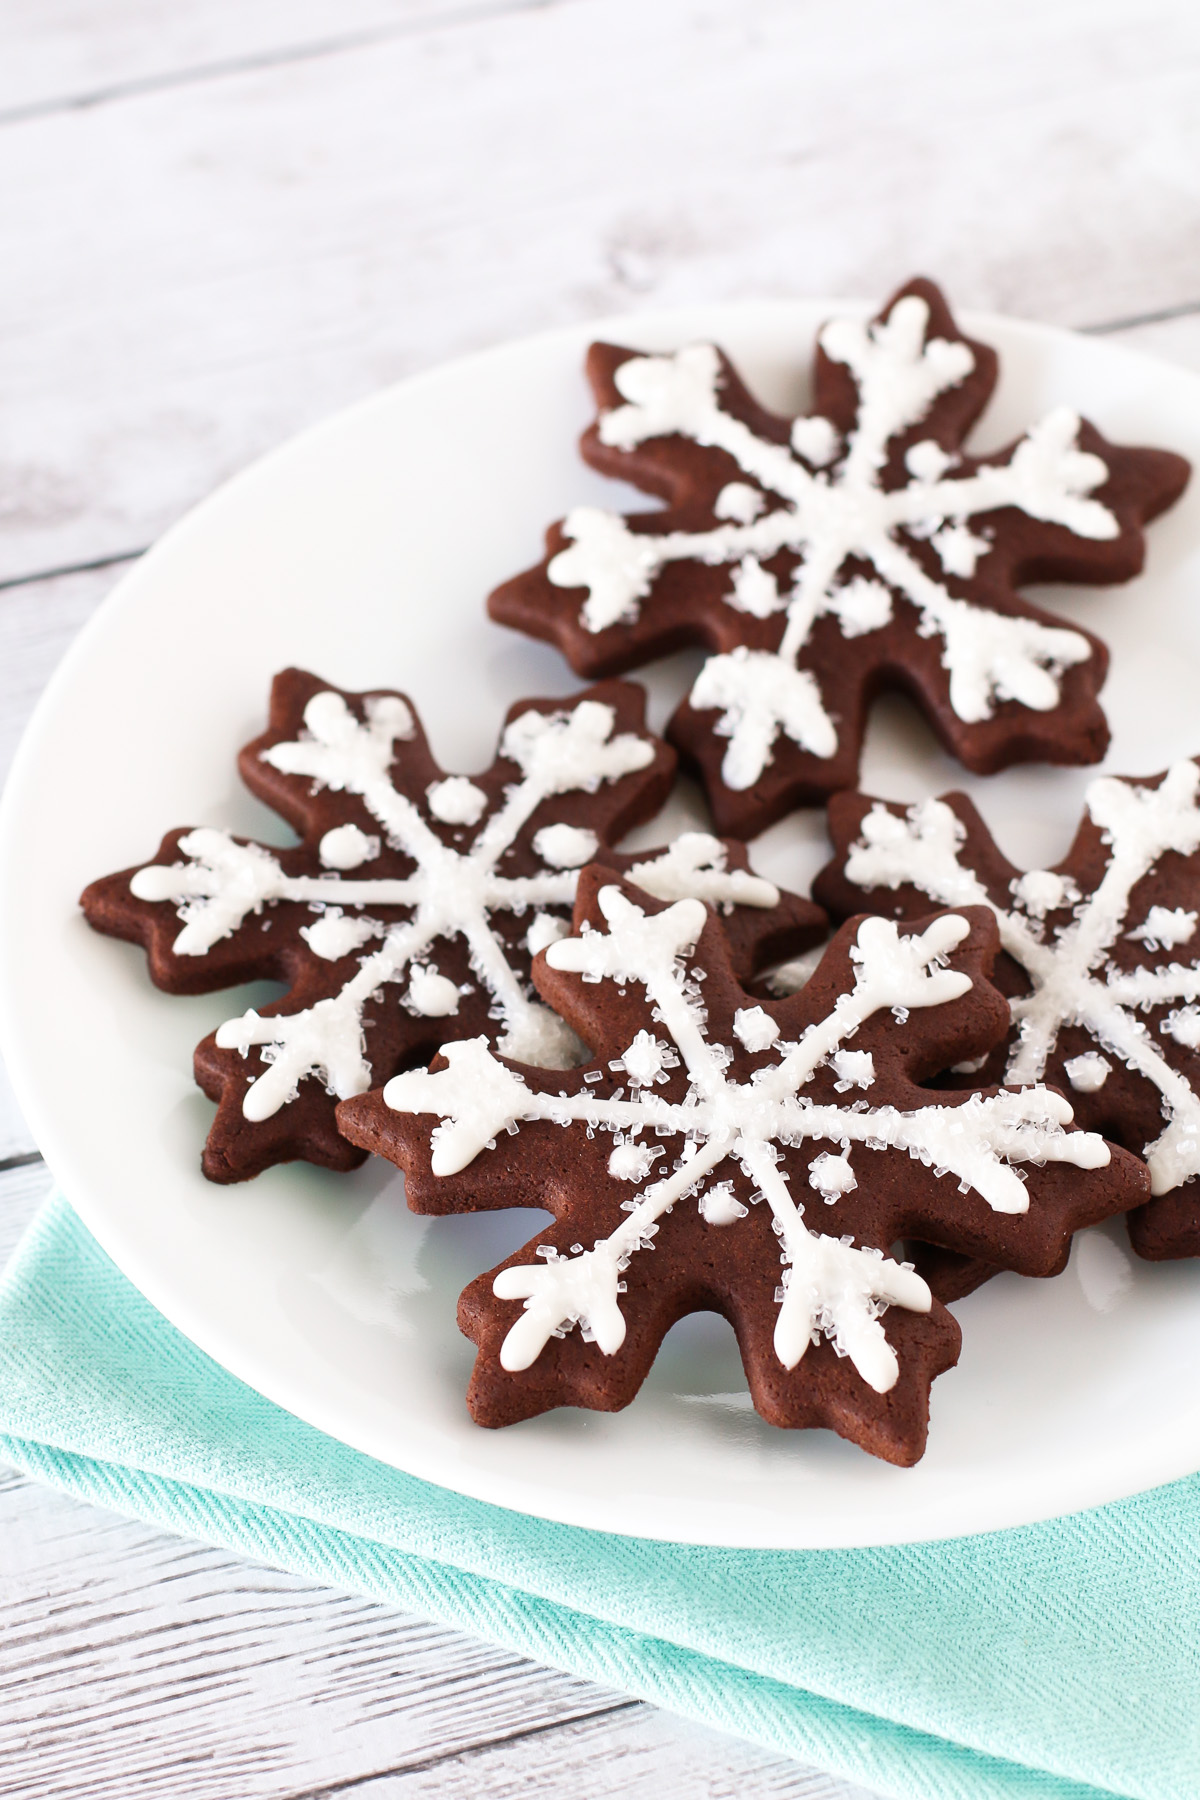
223, 220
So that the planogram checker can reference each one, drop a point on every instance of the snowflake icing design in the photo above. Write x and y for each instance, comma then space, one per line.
816, 558
412, 909
1093, 938
700, 1095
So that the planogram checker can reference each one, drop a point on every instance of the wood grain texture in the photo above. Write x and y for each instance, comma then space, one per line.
16, 1140
60, 55
261, 248
182, 1670
223, 221
214, 1678
22, 1190
136, 1666
637, 1755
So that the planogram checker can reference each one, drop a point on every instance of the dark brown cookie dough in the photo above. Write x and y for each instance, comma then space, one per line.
402, 918
822, 559
756, 1158
1101, 959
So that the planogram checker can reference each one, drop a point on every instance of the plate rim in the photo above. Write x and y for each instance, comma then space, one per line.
206, 1332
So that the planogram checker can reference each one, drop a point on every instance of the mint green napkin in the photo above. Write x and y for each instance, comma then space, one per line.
1060, 1661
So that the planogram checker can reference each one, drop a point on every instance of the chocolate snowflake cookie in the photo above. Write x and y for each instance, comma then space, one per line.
1101, 959
411, 908
754, 1158
822, 558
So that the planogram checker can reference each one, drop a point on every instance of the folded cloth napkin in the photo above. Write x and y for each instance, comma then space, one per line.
1060, 1661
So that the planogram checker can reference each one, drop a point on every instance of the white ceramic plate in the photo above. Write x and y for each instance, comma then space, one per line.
364, 550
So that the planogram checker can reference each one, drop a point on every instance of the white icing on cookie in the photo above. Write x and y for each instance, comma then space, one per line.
828, 1285
739, 501
456, 801
632, 1161
221, 882
1164, 928
695, 865
759, 694
959, 549
545, 929
566, 846
1073, 980
335, 934
719, 1205
831, 1177
646, 1060
755, 590
431, 995
1088, 1073
1040, 891
816, 440
347, 847
793, 500
927, 461
451, 893
1183, 1025
853, 1068
754, 1028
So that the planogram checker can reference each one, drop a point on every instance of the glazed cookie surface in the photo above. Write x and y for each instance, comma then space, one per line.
1101, 959
754, 1158
822, 558
411, 909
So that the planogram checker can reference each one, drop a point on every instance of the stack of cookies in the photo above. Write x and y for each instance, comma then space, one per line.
824, 1146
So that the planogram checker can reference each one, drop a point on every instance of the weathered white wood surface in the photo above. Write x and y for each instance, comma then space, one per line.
260, 246
134, 1664
221, 221
56, 54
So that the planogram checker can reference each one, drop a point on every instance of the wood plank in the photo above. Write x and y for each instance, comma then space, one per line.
639, 1755
257, 248
22, 1190
56, 54
135, 1664
132, 1662
196, 1666
260, 249
16, 1139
